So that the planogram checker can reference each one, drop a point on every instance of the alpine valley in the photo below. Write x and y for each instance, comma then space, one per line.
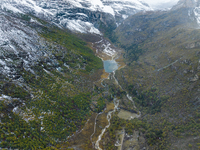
99, 74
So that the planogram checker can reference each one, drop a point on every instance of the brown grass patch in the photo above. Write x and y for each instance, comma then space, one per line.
101, 123
120, 61
105, 75
82, 139
109, 107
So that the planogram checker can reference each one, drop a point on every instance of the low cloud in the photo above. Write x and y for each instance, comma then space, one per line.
165, 4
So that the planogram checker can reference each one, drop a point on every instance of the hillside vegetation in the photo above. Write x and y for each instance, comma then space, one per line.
51, 100
162, 74
55, 96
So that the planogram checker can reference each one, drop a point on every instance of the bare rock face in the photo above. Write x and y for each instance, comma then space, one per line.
192, 6
77, 15
124, 9
20, 45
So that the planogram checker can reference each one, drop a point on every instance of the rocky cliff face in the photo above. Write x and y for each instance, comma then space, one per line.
78, 15
21, 46
162, 51
124, 9
185, 3
192, 7
142, 26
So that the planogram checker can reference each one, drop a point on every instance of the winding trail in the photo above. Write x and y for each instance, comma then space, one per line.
116, 105
116, 80
127, 95
109, 116
169, 65
95, 124
122, 139
131, 99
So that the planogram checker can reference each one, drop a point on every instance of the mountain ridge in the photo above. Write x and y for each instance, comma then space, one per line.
54, 93
77, 15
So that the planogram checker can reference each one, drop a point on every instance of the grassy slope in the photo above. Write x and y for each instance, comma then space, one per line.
168, 60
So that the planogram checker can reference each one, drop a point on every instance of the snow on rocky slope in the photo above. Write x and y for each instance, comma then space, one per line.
124, 8
20, 46
77, 15
192, 6
83, 16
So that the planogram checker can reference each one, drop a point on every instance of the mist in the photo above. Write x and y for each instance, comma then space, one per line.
165, 4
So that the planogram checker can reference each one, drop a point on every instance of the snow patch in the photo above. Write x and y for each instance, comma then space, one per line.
97, 5
3, 97
124, 16
197, 14
35, 21
62, 9
109, 9
108, 50
128, 6
80, 26
7, 6
24, 6
15, 110
2, 62
14, 49
82, 14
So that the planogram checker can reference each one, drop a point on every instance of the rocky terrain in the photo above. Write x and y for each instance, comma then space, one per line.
55, 94
163, 55
77, 15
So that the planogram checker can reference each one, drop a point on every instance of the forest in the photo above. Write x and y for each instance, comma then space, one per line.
53, 103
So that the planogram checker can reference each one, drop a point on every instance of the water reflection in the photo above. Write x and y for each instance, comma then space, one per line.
110, 65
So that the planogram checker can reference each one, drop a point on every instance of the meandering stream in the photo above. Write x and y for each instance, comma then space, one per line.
109, 116
111, 66
95, 124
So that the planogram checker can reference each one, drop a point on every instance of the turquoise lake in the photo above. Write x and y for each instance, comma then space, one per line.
110, 65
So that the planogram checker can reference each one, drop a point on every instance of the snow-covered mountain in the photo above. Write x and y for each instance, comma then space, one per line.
186, 4
20, 44
192, 6
124, 8
78, 15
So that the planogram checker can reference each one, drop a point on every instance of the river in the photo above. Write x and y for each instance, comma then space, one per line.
109, 115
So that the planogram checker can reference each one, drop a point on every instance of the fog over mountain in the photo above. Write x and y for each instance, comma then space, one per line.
159, 5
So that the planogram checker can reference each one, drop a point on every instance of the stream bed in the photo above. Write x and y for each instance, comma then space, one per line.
124, 115
109, 116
